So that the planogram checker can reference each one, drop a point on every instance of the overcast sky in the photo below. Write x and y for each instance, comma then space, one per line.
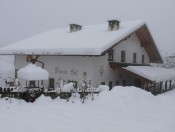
20, 19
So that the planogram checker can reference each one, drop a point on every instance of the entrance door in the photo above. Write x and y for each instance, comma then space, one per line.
137, 83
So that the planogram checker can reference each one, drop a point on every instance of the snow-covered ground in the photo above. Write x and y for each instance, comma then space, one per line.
123, 109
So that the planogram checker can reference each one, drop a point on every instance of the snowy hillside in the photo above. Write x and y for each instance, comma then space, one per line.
123, 109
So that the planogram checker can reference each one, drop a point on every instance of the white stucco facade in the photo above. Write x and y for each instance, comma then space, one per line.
130, 46
94, 68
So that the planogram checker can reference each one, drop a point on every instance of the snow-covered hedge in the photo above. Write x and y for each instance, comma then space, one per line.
67, 87
103, 88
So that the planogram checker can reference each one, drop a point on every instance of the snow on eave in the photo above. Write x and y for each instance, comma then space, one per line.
155, 74
32, 72
91, 40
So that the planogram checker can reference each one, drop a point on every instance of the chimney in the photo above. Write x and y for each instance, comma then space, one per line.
75, 27
113, 25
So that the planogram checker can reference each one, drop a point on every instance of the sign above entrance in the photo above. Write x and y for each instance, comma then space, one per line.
72, 72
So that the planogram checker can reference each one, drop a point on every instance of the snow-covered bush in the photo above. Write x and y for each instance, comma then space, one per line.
103, 88
67, 87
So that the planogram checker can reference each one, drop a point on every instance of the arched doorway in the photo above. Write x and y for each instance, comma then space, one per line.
137, 83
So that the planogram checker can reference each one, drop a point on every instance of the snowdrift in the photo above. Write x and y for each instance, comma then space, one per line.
125, 95
124, 109
118, 95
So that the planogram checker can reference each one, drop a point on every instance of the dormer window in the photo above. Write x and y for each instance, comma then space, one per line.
111, 55
75, 27
113, 25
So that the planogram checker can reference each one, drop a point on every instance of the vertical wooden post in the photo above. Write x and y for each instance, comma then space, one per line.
161, 87
144, 85
147, 86
165, 86
157, 88
154, 91
170, 84
38, 83
26, 83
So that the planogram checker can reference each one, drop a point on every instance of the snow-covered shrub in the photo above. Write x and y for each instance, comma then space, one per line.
67, 87
103, 88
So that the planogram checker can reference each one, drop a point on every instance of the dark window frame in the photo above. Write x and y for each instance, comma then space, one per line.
123, 56
110, 85
143, 59
123, 83
32, 83
134, 57
117, 83
111, 55
102, 83
16, 75
51, 86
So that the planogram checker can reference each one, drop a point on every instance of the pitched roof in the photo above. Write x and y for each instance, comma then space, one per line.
91, 40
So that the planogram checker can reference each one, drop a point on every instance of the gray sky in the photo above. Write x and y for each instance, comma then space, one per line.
20, 19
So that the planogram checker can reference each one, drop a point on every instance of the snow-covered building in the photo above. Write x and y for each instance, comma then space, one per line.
97, 53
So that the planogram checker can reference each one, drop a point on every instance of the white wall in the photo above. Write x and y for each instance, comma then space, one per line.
68, 67
101, 64
108, 73
72, 68
130, 45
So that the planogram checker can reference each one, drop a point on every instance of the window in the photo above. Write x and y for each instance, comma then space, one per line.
51, 82
123, 82
32, 84
16, 75
143, 59
110, 55
122, 56
110, 85
117, 83
102, 83
134, 57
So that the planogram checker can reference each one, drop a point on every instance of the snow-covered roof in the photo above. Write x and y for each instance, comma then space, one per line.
32, 72
91, 40
156, 74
